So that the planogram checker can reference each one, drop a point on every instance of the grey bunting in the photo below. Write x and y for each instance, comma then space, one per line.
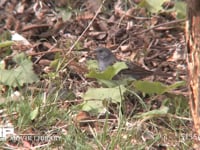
106, 58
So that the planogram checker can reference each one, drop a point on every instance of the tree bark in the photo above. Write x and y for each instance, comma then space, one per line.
193, 62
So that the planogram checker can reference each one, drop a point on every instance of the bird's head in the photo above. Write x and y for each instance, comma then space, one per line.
104, 57
103, 53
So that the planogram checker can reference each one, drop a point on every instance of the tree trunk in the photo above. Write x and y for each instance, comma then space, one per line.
193, 48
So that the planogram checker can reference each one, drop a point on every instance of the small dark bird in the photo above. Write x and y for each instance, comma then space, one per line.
106, 58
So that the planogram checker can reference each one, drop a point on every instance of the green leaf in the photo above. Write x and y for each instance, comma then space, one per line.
180, 8
109, 83
153, 6
6, 44
109, 73
150, 87
18, 76
94, 97
92, 64
154, 113
155, 87
19, 58
34, 113
176, 85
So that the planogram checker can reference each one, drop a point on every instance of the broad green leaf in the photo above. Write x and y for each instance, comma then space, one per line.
94, 97
153, 6
34, 113
150, 87
109, 73
154, 113
109, 83
155, 87
19, 58
18, 76
114, 83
